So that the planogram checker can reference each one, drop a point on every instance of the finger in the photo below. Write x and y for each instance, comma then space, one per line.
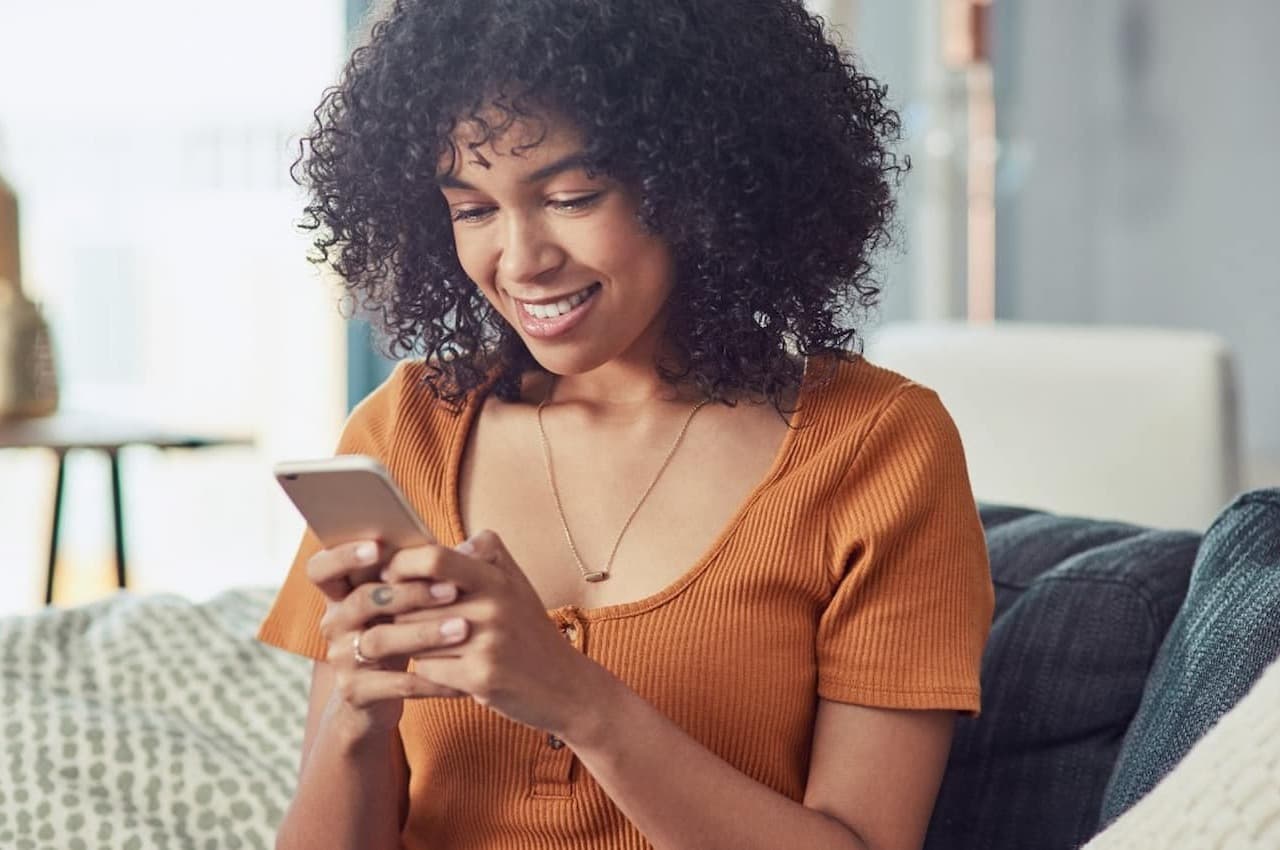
390, 640
476, 610
374, 603
365, 688
445, 671
487, 546
441, 592
438, 564
336, 571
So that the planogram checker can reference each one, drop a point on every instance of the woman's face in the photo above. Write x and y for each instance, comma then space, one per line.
558, 253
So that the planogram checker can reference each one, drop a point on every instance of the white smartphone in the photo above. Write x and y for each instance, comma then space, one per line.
351, 497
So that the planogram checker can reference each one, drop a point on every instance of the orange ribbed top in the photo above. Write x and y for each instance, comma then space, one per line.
856, 571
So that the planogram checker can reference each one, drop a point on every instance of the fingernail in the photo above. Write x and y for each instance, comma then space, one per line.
466, 547
443, 590
453, 628
366, 552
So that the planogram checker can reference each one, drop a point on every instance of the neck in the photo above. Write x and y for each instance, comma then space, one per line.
563, 390
638, 416
616, 388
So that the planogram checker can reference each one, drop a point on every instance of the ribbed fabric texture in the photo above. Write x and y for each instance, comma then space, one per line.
856, 572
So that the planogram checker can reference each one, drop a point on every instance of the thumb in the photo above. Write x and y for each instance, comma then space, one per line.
487, 546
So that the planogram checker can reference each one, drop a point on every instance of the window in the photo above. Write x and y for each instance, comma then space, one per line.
149, 144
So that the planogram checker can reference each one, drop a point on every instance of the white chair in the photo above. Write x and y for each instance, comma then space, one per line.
1138, 424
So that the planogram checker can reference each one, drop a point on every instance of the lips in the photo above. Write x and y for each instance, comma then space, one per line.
552, 309
545, 321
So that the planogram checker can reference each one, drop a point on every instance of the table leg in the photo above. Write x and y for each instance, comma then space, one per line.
53, 533
118, 517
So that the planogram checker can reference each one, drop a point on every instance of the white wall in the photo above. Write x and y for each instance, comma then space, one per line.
149, 145
1141, 177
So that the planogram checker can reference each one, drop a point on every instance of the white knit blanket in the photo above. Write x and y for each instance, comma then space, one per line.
147, 722
1225, 795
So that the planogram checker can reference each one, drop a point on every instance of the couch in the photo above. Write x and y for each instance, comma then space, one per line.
152, 722
1132, 423
1114, 649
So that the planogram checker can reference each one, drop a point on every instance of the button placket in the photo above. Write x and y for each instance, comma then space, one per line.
553, 765
553, 769
572, 627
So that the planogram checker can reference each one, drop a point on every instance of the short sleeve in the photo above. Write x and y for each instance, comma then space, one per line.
913, 600
293, 621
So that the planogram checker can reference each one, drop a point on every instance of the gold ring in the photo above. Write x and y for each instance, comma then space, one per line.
361, 659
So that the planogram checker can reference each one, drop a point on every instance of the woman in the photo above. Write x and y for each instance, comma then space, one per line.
734, 587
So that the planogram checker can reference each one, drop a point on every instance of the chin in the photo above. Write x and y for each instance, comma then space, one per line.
564, 362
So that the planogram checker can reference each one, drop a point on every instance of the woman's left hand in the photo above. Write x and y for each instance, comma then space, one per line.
512, 657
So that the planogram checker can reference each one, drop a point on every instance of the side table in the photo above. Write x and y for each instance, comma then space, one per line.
64, 432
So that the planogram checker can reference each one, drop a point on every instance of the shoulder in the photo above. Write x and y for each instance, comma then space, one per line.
859, 403
903, 479
402, 409
851, 377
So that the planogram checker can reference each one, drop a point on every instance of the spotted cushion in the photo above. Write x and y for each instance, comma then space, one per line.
147, 723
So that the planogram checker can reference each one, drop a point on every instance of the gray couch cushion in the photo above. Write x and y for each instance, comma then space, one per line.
1082, 608
1227, 632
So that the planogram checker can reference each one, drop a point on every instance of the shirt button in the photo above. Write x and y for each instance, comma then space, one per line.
571, 632
554, 743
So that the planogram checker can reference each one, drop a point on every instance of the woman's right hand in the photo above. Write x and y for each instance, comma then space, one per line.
360, 615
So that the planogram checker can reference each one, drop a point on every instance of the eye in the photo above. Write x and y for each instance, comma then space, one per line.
470, 214
577, 202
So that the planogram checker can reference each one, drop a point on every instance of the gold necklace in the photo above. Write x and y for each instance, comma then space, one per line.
601, 575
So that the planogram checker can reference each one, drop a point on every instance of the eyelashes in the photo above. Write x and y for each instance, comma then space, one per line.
470, 213
578, 203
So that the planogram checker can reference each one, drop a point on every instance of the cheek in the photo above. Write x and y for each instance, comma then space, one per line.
624, 249
472, 256
655, 258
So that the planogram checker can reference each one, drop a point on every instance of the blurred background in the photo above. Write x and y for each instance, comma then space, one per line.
1088, 165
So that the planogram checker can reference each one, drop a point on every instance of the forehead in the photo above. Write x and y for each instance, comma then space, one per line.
493, 140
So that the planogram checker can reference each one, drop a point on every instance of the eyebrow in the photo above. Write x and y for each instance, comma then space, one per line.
565, 163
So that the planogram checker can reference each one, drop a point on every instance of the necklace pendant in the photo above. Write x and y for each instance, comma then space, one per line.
601, 575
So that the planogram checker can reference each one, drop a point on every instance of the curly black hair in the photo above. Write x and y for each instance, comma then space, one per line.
757, 150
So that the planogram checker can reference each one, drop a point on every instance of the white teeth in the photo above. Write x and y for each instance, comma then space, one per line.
564, 305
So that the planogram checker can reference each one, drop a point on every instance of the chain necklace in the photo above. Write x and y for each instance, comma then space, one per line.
601, 575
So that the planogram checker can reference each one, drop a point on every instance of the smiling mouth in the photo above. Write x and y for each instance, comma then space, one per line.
561, 307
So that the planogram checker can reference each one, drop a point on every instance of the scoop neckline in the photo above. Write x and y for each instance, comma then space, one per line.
453, 492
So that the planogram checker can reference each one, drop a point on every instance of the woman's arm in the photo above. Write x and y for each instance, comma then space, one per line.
353, 786
873, 778
353, 783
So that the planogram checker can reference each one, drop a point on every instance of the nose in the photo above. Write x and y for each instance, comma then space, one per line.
528, 252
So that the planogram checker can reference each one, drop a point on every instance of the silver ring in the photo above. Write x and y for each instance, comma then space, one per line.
361, 659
